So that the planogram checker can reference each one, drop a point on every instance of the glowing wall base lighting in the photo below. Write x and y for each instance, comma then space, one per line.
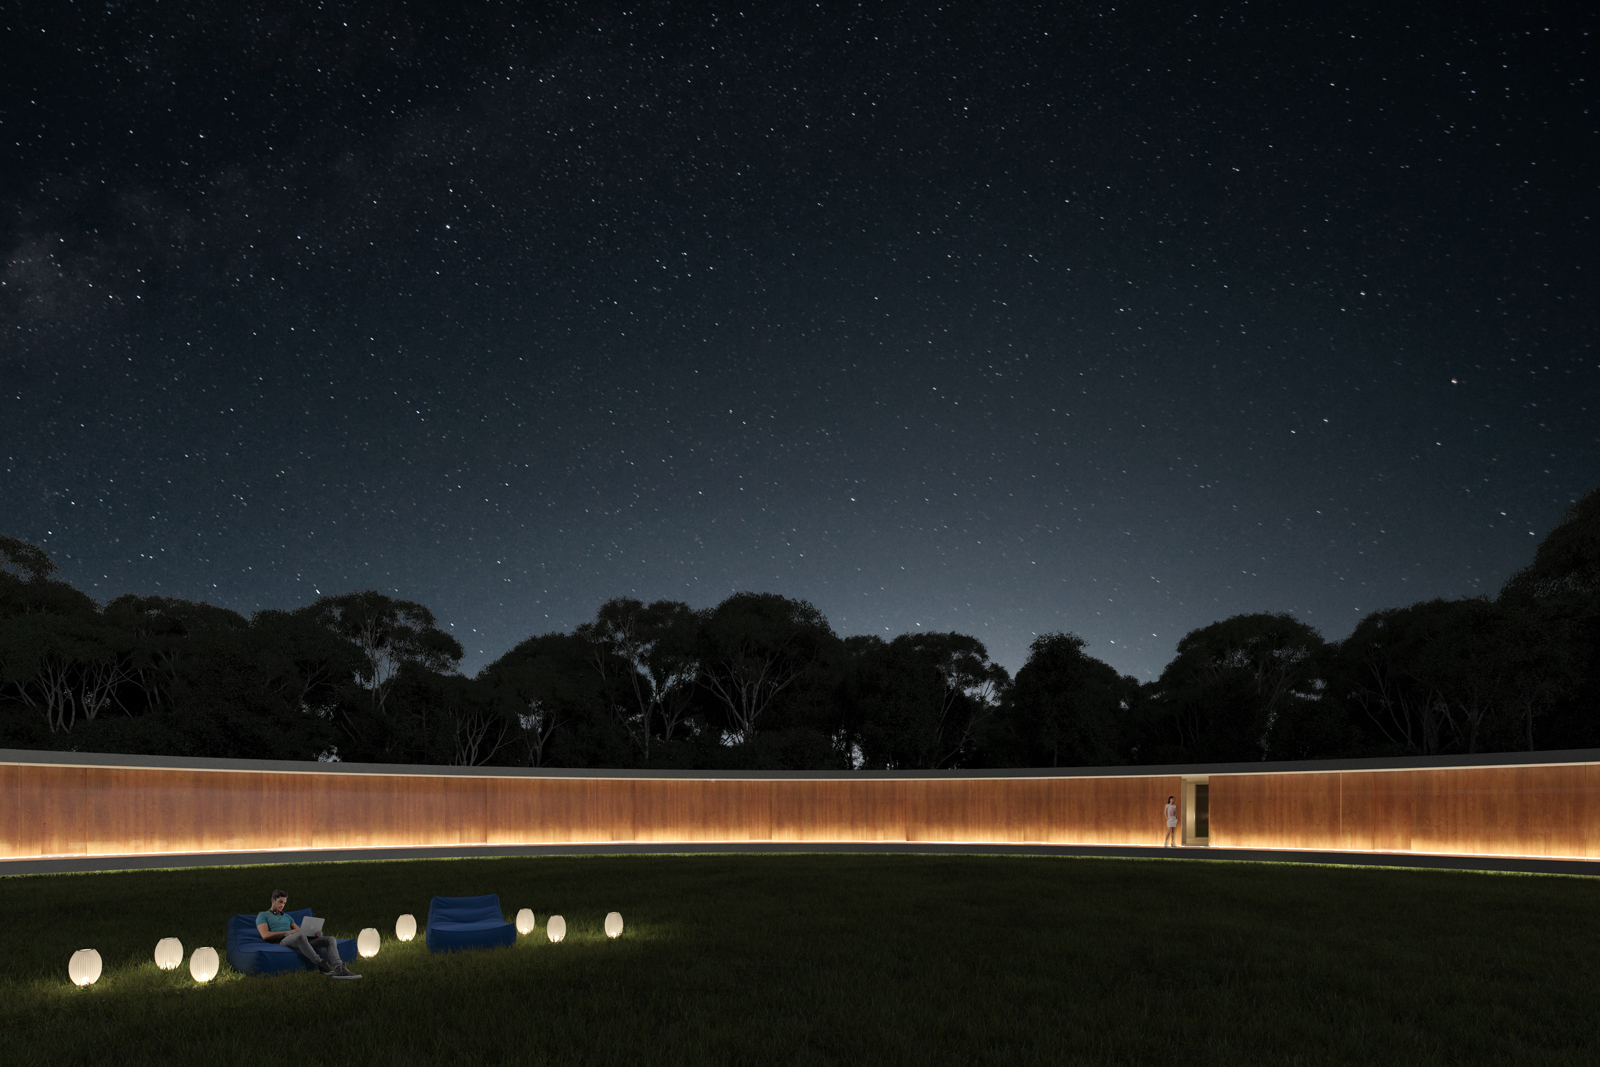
367, 943
525, 921
614, 924
556, 928
203, 964
169, 953
84, 967
405, 927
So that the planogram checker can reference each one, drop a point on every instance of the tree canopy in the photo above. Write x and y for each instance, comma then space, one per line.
762, 680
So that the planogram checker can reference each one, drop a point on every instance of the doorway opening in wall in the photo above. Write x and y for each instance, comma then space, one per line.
1197, 811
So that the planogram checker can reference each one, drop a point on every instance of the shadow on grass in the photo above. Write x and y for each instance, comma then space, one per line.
817, 959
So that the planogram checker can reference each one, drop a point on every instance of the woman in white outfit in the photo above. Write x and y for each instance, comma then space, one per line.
1172, 823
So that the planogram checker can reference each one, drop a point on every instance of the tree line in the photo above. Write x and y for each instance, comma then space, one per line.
762, 681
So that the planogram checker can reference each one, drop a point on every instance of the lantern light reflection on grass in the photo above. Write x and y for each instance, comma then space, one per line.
169, 953
84, 967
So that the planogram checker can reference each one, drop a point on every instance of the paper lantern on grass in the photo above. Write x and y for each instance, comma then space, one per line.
525, 921
614, 924
203, 964
84, 967
367, 943
169, 953
556, 928
405, 927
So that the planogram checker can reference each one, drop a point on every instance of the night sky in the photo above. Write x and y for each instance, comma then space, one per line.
993, 318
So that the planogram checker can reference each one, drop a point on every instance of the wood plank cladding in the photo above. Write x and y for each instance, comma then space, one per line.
142, 811
396, 811
1483, 811
103, 811
44, 812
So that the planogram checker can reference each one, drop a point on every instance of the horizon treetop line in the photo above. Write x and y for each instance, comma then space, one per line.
762, 681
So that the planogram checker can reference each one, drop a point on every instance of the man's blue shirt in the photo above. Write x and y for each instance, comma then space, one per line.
277, 922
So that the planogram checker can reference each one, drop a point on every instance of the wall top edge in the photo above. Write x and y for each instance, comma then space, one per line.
24, 757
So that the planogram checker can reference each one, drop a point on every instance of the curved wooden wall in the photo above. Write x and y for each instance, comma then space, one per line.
76, 811
1495, 811
108, 811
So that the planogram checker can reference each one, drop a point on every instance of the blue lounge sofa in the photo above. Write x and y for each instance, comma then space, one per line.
248, 954
456, 923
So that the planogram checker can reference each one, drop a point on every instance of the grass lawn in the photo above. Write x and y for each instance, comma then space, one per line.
820, 959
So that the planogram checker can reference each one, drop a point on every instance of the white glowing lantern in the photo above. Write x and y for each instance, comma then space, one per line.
556, 928
203, 964
405, 927
367, 943
169, 953
525, 921
614, 924
84, 967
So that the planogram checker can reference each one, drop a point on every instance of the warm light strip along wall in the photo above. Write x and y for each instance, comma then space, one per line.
55, 807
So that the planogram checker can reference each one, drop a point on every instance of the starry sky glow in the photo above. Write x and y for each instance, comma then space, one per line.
995, 318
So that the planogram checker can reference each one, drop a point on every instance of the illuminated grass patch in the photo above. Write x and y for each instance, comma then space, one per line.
814, 959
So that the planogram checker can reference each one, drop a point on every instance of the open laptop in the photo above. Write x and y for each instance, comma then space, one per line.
311, 926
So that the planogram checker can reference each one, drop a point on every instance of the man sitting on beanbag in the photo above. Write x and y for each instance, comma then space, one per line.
274, 925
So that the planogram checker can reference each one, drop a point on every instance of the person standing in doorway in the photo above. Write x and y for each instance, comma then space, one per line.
1172, 823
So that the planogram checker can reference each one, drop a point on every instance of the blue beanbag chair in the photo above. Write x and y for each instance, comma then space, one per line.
456, 923
248, 954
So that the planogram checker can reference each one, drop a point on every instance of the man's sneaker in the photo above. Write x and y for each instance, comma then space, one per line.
327, 969
342, 971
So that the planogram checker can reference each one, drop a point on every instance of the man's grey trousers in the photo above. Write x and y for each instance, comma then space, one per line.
309, 947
